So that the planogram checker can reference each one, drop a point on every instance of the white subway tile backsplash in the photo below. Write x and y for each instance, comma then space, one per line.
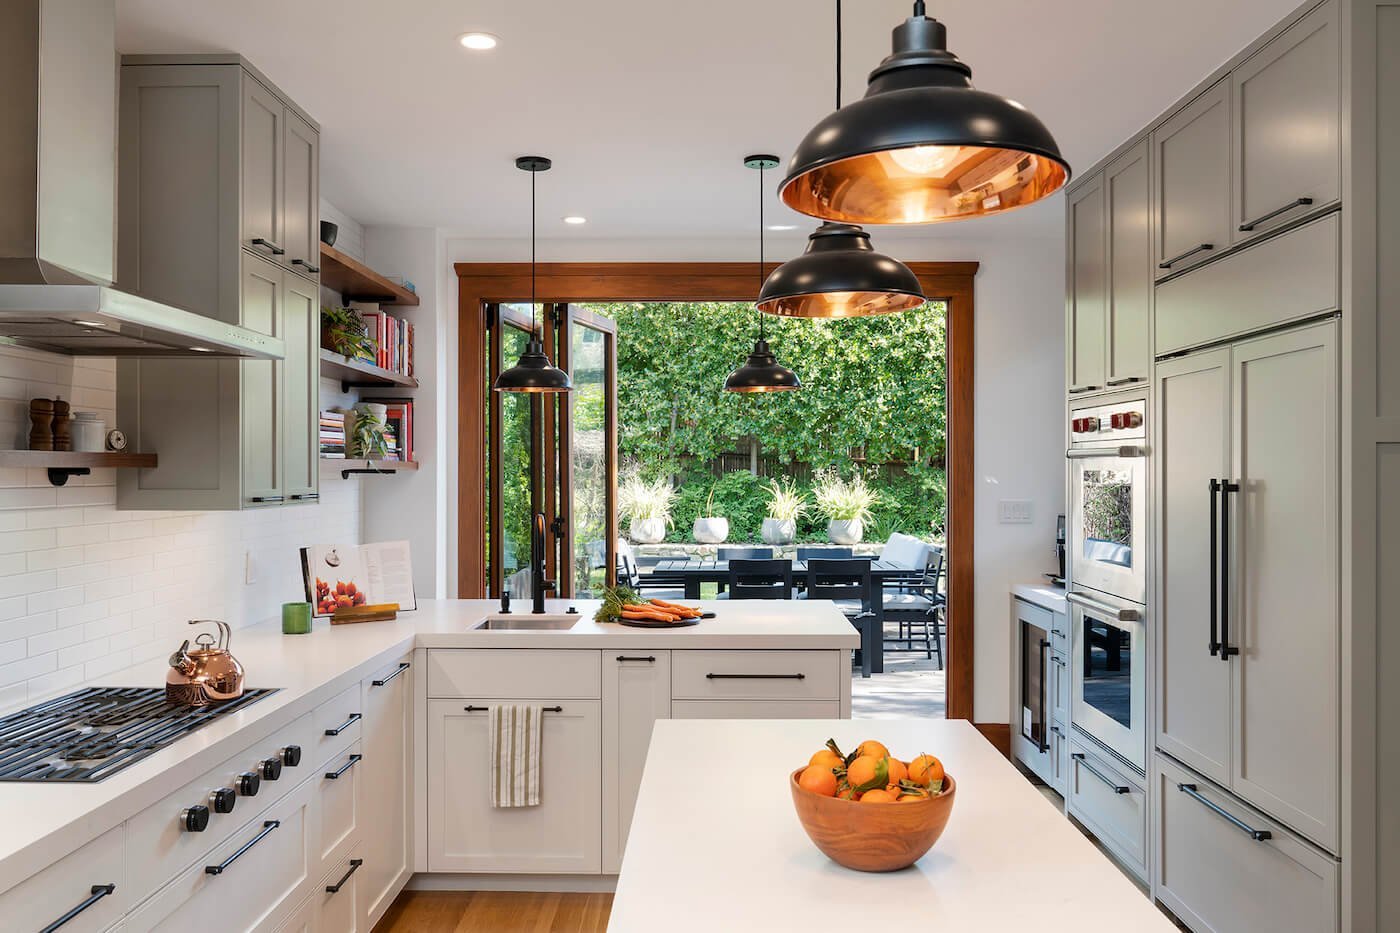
55, 558
22, 584
15, 541
29, 667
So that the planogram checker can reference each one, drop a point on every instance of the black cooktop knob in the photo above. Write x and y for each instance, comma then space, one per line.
272, 769
223, 799
291, 756
196, 818
248, 784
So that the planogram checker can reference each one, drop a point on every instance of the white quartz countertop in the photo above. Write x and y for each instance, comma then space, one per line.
43, 822
1046, 595
715, 843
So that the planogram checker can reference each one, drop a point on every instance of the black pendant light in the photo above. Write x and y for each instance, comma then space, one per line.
533, 372
923, 145
762, 372
840, 274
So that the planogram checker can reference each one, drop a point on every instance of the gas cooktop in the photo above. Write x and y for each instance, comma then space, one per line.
91, 734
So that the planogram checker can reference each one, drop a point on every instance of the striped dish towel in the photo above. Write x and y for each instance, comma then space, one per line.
515, 755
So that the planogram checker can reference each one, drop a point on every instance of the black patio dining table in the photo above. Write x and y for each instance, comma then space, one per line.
691, 572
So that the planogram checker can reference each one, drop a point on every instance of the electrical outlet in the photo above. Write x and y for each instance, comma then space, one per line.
250, 575
1014, 511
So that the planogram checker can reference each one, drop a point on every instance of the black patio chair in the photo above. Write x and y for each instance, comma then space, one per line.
744, 553
918, 608
846, 582
759, 579
824, 553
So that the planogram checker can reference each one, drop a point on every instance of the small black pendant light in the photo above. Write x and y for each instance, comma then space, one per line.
923, 145
761, 373
840, 274
533, 372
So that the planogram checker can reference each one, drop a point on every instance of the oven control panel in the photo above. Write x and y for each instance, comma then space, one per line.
1122, 419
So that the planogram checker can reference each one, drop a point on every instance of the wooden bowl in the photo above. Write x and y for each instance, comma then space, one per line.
870, 836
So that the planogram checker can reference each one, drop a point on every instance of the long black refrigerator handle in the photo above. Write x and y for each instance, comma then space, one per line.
1226, 649
1214, 569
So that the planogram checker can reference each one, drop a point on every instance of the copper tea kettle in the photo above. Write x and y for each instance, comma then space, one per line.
205, 674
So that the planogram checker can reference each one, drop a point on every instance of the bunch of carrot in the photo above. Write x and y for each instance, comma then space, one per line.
658, 610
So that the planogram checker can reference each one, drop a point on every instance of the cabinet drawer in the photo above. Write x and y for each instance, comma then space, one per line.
755, 709
1095, 795
1059, 687
338, 892
1288, 278
71, 881
336, 723
512, 673
1219, 879
755, 675
339, 806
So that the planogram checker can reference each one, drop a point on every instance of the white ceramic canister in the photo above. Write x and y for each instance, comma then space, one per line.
89, 432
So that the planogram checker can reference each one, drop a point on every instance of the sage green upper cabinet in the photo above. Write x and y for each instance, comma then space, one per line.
1086, 298
1287, 129
1191, 171
301, 233
301, 387
262, 384
1128, 197
264, 137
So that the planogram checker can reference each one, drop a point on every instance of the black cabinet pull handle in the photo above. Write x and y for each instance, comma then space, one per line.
350, 763
1186, 255
403, 666
98, 892
1249, 225
1057, 731
1124, 381
1076, 390
1226, 651
1112, 784
268, 827
268, 499
309, 267
482, 709
1044, 688
651, 658
297, 497
1258, 835
267, 244
1214, 646
354, 718
755, 676
355, 863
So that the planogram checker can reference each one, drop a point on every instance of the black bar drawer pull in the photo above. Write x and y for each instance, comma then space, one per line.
268, 827
403, 666
1258, 835
482, 709
301, 496
268, 499
755, 676
354, 718
1186, 255
1076, 390
309, 267
349, 763
98, 892
1124, 381
267, 244
1249, 225
1113, 785
651, 658
355, 863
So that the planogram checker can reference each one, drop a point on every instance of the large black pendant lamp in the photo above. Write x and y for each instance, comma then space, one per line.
840, 274
762, 372
533, 372
923, 145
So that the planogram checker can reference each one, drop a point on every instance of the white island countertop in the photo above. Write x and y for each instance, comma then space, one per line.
43, 822
716, 845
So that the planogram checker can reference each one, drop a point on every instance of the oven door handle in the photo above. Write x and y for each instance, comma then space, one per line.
1044, 679
1122, 615
1127, 450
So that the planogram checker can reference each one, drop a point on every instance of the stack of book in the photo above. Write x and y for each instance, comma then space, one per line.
398, 421
333, 435
393, 338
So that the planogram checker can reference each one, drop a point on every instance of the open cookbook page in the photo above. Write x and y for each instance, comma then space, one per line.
339, 576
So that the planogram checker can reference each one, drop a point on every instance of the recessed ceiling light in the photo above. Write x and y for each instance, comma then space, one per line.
575, 219
781, 227
478, 41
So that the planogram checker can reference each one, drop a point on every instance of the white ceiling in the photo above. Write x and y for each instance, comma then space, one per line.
647, 108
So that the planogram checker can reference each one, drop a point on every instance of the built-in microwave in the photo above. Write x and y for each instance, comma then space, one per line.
1108, 498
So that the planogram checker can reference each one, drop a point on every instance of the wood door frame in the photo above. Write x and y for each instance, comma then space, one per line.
480, 284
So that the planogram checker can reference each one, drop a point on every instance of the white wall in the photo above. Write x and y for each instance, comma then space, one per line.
1019, 391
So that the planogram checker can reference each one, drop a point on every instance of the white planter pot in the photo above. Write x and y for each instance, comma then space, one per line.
647, 530
779, 531
710, 530
845, 531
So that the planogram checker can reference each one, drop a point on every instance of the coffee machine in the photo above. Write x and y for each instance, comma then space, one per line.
1057, 577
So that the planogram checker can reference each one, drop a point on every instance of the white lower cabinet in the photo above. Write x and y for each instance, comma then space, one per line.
562, 835
1225, 868
338, 896
1111, 805
636, 693
91, 881
386, 785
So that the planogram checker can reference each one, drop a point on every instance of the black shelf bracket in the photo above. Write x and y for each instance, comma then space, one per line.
346, 473
58, 476
346, 385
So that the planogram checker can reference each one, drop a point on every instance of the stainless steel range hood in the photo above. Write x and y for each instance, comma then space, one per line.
58, 120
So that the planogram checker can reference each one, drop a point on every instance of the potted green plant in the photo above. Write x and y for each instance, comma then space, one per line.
345, 332
647, 506
847, 505
785, 506
710, 528
365, 432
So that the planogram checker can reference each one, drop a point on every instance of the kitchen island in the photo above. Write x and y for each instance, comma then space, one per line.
716, 844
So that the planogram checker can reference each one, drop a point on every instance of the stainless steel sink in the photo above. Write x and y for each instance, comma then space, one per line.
529, 623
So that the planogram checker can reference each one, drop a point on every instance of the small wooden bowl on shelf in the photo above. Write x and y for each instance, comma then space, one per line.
873, 836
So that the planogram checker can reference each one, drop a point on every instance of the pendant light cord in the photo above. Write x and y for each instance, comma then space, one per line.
838, 54
761, 169
533, 323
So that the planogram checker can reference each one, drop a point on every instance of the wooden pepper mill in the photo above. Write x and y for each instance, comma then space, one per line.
62, 425
41, 424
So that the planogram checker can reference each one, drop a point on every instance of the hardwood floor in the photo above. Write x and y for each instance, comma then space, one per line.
496, 912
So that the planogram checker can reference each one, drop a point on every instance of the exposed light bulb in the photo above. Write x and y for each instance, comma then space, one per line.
924, 160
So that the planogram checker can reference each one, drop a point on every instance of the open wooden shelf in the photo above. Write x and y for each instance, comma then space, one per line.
358, 282
62, 464
348, 466
354, 374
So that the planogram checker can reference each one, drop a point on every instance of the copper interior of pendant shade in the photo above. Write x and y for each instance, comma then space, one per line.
924, 184
761, 388
840, 304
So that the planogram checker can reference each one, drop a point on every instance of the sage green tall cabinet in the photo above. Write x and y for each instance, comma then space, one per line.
219, 214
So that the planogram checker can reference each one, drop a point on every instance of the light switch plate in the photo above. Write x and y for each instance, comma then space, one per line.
249, 572
1014, 511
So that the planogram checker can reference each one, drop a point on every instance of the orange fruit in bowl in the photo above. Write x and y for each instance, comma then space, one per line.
925, 770
911, 798
872, 748
897, 771
827, 759
818, 780
867, 772
878, 796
